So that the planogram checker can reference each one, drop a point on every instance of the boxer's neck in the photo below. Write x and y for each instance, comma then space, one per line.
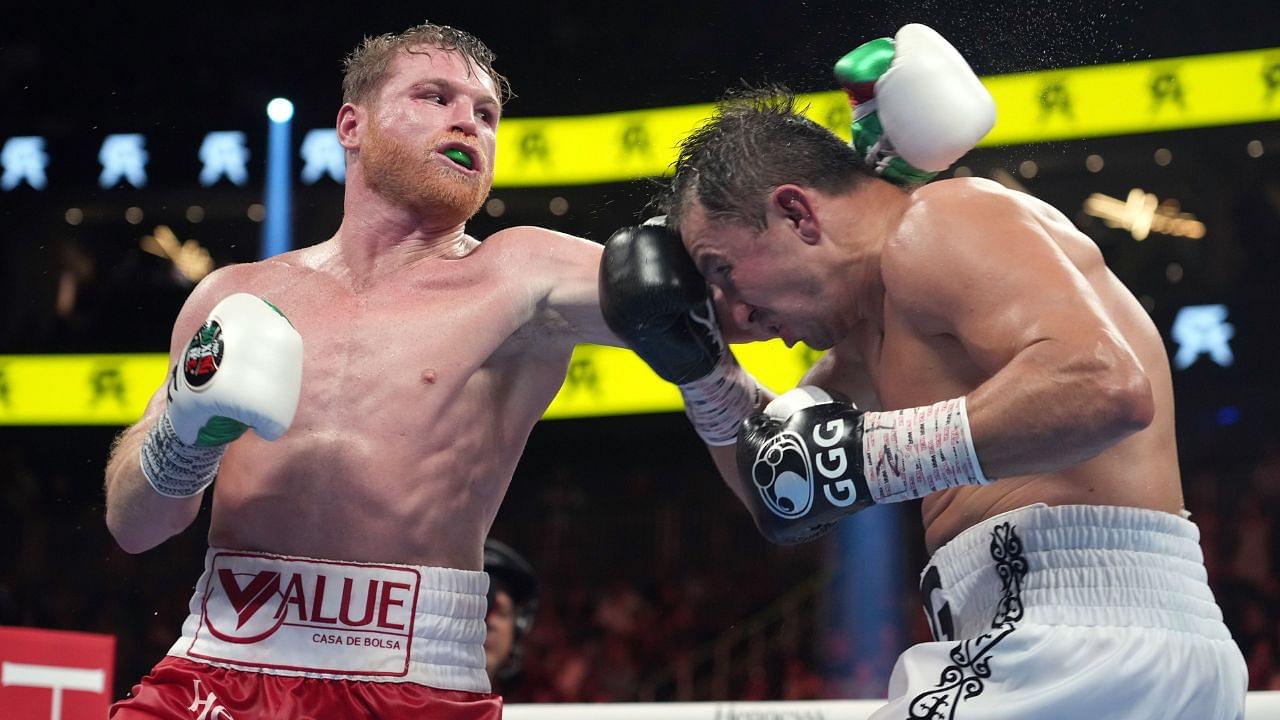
863, 221
377, 237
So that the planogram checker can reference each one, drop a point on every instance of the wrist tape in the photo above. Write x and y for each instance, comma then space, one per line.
174, 468
910, 453
718, 403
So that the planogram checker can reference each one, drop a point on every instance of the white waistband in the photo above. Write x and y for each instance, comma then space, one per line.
339, 620
1075, 565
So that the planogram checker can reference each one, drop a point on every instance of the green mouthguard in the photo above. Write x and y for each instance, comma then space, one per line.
459, 157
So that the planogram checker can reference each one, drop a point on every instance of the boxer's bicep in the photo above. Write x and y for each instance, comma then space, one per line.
562, 275
574, 296
1062, 383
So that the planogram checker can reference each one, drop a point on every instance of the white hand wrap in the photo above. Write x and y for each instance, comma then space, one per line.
910, 453
174, 468
718, 403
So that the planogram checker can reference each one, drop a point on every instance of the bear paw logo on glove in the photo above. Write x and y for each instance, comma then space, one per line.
783, 476
204, 354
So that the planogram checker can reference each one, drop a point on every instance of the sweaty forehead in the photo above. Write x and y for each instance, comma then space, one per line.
703, 234
693, 226
423, 63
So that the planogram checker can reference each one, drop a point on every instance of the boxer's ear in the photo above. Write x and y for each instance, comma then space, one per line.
351, 120
796, 205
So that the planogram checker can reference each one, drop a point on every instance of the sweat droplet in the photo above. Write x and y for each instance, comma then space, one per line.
459, 157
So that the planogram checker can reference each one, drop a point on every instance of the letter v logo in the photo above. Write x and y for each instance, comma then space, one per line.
248, 600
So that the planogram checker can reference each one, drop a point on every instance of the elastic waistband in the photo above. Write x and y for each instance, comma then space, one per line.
340, 620
1075, 565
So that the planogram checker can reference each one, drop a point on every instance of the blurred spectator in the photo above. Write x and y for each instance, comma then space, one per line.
513, 603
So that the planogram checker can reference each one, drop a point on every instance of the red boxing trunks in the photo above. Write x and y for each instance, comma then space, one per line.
271, 636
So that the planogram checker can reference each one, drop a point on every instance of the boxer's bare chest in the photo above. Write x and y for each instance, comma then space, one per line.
401, 348
415, 393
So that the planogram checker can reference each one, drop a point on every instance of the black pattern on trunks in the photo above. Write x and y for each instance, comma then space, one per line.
964, 678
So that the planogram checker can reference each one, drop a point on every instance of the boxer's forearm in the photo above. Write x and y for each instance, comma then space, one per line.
1051, 408
725, 458
138, 517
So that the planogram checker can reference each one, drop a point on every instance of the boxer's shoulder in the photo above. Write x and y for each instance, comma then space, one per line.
536, 244
217, 285
252, 277
948, 244
546, 258
944, 202
955, 218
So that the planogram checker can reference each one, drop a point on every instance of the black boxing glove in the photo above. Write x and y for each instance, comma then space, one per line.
811, 459
654, 298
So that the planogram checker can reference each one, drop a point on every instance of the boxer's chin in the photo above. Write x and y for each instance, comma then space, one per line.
820, 343
449, 195
820, 338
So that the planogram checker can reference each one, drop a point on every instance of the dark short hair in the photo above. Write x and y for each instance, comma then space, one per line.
756, 140
367, 65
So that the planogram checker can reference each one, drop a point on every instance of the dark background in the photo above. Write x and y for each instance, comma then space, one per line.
624, 541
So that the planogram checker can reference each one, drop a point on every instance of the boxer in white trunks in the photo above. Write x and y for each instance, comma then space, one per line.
388, 412
981, 357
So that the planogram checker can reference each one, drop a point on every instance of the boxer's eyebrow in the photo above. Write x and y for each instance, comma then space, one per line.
447, 86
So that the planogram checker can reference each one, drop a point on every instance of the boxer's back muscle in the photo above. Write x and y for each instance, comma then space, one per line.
417, 400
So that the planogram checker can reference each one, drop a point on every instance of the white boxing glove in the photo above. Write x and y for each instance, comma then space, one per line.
242, 369
918, 106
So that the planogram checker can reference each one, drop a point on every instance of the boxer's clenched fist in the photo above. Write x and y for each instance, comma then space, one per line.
917, 105
654, 298
242, 369
811, 458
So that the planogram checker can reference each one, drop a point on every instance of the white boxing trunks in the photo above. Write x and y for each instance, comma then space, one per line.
1073, 612
338, 620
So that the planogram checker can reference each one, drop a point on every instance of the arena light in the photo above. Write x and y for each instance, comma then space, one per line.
124, 159
323, 155
280, 110
1142, 213
1202, 330
277, 226
224, 154
189, 258
24, 160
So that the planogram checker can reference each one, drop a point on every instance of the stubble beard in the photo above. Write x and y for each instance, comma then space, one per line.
412, 177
